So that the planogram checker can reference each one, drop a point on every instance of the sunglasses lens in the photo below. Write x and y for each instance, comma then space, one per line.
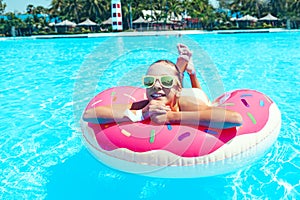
167, 81
148, 81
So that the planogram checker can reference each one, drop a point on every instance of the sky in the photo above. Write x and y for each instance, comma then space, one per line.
20, 5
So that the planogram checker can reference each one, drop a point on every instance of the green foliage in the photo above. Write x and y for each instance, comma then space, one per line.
204, 16
2, 7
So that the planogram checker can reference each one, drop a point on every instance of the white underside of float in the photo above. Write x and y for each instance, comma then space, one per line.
239, 152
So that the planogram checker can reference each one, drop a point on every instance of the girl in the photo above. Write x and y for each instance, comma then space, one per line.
167, 101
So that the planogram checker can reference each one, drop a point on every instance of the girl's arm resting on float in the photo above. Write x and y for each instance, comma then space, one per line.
107, 114
213, 117
115, 113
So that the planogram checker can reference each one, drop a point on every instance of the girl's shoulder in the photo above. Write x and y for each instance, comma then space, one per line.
195, 93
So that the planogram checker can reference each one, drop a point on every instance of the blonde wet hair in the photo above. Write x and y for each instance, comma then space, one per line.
178, 74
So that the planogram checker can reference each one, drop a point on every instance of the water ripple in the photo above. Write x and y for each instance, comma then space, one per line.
38, 129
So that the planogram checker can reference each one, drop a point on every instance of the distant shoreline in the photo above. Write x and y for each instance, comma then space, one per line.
152, 33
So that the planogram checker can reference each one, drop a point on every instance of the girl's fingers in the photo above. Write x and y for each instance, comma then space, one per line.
157, 112
159, 108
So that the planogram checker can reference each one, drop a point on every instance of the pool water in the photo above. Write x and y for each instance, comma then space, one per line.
45, 85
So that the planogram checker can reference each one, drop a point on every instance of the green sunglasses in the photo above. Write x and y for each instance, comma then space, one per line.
166, 81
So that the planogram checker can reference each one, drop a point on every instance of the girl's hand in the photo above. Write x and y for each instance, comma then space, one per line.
159, 118
184, 60
157, 111
158, 107
184, 50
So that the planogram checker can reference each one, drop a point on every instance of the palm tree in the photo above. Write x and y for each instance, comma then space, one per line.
225, 4
15, 22
56, 6
278, 7
127, 12
41, 10
185, 4
283, 9
251, 7
293, 12
255, 7
174, 8
29, 22
96, 9
198, 7
154, 6
72, 10
201, 10
30, 9
2, 7
294, 8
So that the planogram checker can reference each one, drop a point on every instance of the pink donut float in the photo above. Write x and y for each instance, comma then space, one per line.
175, 150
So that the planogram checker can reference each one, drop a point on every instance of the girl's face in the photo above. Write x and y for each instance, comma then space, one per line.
166, 88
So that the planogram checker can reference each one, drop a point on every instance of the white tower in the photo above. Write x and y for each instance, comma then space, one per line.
116, 15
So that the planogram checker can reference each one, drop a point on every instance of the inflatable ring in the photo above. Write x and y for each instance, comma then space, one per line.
175, 150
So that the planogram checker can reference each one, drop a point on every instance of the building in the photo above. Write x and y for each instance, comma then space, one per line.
116, 15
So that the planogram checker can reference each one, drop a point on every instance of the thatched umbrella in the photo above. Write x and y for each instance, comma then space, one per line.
88, 23
66, 24
268, 17
107, 22
248, 18
140, 21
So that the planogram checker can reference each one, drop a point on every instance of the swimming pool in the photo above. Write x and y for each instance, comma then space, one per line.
45, 84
